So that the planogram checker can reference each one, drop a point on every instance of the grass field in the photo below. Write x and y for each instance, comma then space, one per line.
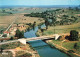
61, 29
68, 45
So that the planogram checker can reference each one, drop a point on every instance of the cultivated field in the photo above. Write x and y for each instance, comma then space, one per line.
5, 21
8, 15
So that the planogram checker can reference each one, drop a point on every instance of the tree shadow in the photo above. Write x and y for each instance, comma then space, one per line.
67, 37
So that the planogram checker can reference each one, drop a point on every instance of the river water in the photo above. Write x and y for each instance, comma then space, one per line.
42, 48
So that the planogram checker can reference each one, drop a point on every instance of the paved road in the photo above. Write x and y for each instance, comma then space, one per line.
8, 42
27, 39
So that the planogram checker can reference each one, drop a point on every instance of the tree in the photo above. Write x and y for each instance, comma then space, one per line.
34, 24
4, 35
10, 13
19, 34
42, 30
1, 50
3, 10
11, 38
61, 22
39, 26
70, 8
1, 40
74, 35
53, 19
77, 9
17, 24
28, 29
76, 46
1, 31
46, 23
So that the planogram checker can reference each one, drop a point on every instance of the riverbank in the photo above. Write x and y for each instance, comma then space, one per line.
62, 49
35, 53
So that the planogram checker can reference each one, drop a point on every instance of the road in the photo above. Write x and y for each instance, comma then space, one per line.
10, 26
28, 39
8, 42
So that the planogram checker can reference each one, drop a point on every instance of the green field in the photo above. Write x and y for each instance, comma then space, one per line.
68, 45
62, 29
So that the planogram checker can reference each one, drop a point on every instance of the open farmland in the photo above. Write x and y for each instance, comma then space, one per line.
8, 15
25, 20
5, 21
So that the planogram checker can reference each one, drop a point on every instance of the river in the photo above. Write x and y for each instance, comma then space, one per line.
42, 48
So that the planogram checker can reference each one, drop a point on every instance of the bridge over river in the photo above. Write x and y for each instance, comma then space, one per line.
24, 40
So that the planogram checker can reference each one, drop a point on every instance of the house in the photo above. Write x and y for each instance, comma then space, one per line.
6, 32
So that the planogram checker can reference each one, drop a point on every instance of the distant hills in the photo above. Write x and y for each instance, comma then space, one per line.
41, 6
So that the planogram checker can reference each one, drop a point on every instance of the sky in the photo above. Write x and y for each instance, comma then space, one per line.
39, 2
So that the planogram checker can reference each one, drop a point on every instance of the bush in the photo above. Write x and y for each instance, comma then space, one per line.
76, 46
1, 50
11, 45
11, 38
71, 51
74, 35
5, 35
26, 55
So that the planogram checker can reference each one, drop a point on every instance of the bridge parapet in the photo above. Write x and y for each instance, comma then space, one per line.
23, 41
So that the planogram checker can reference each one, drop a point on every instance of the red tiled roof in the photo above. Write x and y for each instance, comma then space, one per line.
6, 32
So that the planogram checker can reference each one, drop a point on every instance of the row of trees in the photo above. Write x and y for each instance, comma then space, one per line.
74, 8
31, 26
